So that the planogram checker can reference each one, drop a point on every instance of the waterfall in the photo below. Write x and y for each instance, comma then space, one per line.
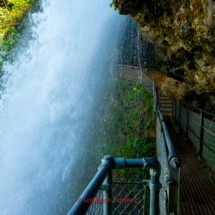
48, 99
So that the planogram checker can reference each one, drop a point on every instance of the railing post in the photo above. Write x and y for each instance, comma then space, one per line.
201, 137
155, 171
173, 108
173, 190
154, 96
179, 121
154, 192
187, 125
144, 202
107, 194
154, 93
175, 112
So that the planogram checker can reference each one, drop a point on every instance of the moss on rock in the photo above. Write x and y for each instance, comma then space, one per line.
183, 34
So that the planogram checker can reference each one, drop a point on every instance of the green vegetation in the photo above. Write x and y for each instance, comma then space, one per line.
112, 5
127, 128
8, 44
128, 124
11, 13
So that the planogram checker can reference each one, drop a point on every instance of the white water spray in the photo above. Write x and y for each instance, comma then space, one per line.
46, 106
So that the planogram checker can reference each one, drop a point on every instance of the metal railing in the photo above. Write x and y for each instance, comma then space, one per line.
170, 168
169, 199
105, 203
154, 94
170, 162
104, 196
199, 128
133, 73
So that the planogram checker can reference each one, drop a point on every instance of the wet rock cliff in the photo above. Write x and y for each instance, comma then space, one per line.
183, 34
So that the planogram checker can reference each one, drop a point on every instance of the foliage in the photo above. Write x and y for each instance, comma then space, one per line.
126, 120
127, 123
8, 43
131, 120
112, 5
11, 12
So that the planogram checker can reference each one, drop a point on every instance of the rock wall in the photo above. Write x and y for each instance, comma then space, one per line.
183, 34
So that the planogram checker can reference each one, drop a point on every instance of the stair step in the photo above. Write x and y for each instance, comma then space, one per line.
164, 98
165, 101
166, 109
166, 113
165, 105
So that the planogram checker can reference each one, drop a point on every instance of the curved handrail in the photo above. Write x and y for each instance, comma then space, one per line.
173, 157
104, 175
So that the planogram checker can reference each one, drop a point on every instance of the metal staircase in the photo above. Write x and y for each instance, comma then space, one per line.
165, 105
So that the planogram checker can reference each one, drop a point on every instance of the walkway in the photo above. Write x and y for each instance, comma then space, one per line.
135, 74
197, 191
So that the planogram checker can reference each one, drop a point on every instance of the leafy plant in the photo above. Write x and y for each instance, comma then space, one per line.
129, 118
112, 5
123, 124
11, 13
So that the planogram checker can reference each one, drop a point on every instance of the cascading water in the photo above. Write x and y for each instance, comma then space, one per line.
48, 103
133, 49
